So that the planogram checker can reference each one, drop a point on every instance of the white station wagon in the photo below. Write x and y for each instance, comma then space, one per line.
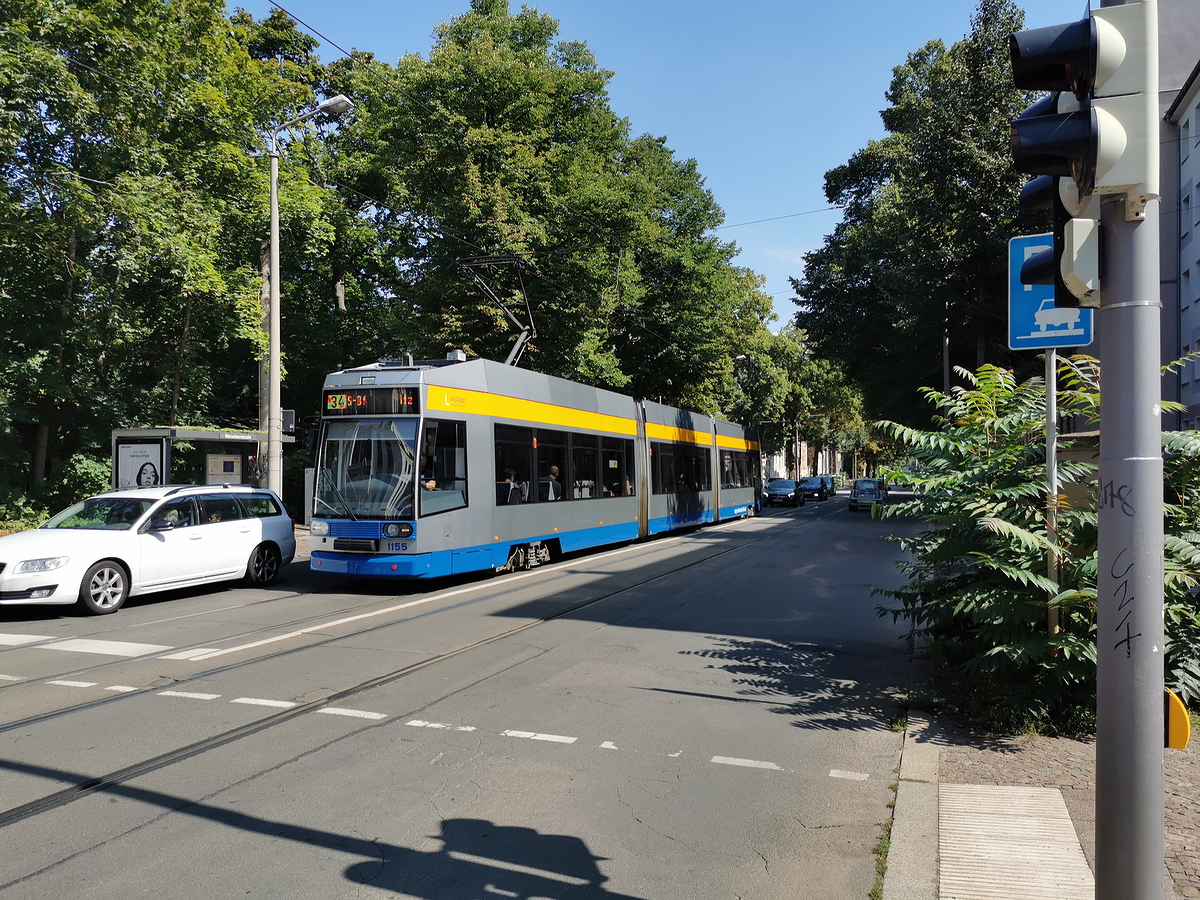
136, 541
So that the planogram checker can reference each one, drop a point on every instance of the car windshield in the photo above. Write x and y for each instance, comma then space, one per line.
867, 484
811, 482
111, 513
366, 470
783, 485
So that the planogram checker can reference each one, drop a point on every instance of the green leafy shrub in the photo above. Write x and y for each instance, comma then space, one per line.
80, 477
977, 586
18, 513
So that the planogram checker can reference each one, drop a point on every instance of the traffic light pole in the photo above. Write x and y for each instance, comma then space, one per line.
1130, 845
1099, 127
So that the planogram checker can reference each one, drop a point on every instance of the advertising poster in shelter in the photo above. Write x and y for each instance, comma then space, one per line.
139, 465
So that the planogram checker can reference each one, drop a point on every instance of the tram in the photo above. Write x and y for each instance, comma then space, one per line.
437, 468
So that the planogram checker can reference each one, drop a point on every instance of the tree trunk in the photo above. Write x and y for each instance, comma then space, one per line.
180, 357
47, 409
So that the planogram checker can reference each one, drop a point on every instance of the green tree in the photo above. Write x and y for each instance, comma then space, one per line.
921, 249
502, 144
124, 144
976, 589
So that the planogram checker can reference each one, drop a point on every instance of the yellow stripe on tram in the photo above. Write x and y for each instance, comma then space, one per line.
678, 435
499, 407
735, 443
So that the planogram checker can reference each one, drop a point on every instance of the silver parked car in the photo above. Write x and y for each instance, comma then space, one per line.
866, 491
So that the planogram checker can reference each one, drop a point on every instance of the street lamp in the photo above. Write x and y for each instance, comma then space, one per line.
332, 106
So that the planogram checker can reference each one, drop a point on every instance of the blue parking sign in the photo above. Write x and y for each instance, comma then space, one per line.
1034, 322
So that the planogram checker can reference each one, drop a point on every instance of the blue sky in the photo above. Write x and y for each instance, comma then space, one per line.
766, 99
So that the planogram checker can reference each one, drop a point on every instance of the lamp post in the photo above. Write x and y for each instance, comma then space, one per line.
333, 106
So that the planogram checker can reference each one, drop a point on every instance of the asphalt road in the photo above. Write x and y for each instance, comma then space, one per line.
701, 716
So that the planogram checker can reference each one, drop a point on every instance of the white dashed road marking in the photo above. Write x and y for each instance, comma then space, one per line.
74, 683
193, 653
534, 736
609, 745
751, 763
107, 648
421, 723
121, 689
255, 701
16, 640
354, 713
11, 678
189, 695
852, 776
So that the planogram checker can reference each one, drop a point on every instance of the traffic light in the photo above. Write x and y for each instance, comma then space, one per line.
1093, 134
1107, 142
1073, 265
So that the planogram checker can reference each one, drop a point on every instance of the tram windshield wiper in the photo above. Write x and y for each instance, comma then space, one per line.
327, 476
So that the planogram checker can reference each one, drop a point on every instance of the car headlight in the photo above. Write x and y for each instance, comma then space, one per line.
318, 528
41, 565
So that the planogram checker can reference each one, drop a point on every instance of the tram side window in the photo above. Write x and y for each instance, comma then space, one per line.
692, 468
729, 474
616, 467
551, 465
514, 464
662, 469
585, 466
443, 470
735, 469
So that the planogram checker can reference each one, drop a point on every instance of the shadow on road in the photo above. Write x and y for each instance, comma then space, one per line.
822, 688
477, 858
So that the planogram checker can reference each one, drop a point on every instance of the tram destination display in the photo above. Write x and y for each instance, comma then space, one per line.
373, 401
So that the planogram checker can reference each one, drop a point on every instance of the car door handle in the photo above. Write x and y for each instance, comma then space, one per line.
195, 537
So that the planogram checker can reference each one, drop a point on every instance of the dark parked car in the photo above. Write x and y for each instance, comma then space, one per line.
830, 483
783, 492
815, 487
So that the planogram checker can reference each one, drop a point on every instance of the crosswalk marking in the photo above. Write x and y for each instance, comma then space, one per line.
16, 640
74, 683
106, 648
189, 695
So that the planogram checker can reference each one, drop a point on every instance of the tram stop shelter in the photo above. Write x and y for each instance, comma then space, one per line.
147, 456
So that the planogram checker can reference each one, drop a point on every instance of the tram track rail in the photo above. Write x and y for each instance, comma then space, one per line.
650, 548
380, 603
100, 783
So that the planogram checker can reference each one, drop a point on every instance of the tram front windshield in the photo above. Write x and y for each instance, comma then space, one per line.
367, 470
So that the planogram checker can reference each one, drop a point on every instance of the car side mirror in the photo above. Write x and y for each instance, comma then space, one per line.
161, 525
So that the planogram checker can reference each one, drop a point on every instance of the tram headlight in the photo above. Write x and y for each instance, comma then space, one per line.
318, 528
397, 530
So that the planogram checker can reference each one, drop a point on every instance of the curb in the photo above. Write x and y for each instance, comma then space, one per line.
912, 852
912, 860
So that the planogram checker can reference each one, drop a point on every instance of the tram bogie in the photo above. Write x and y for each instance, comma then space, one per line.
430, 470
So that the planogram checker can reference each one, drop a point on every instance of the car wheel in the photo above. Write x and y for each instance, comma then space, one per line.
264, 565
104, 588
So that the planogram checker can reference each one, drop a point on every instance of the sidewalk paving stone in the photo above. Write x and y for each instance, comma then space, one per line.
1070, 766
